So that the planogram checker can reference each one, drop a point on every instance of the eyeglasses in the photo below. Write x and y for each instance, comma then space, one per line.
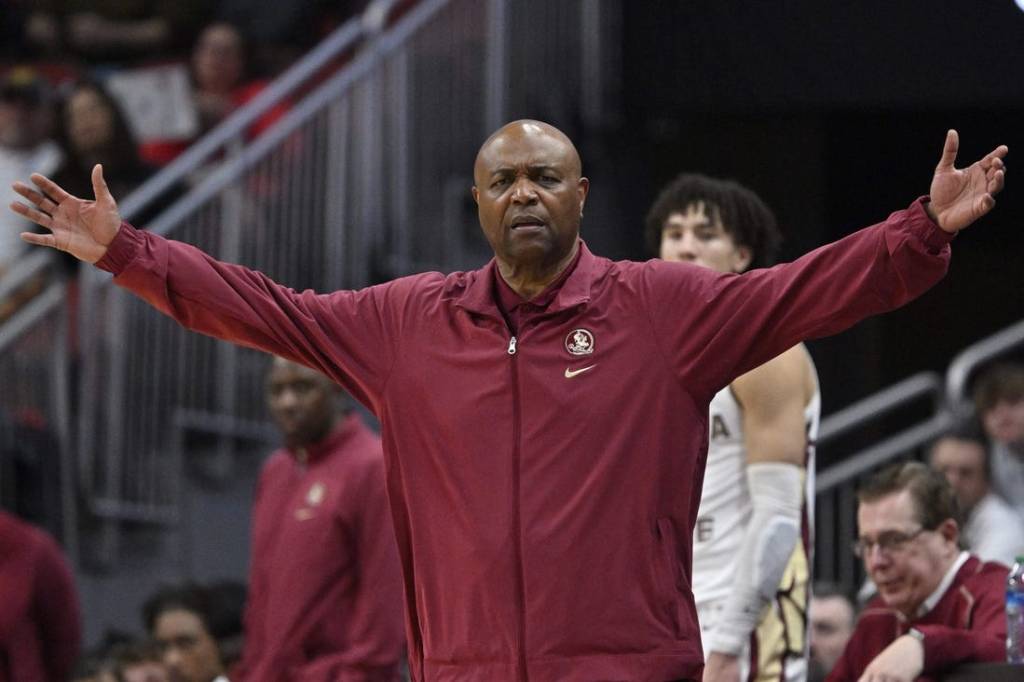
889, 542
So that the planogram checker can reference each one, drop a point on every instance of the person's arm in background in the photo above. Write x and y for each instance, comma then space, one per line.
56, 610
773, 398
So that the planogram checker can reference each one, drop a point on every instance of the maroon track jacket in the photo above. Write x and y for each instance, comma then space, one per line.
968, 624
325, 588
544, 487
40, 623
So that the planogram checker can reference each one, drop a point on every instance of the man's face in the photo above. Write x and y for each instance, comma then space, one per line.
301, 401
695, 236
915, 561
529, 195
217, 58
831, 627
1004, 423
962, 462
189, 651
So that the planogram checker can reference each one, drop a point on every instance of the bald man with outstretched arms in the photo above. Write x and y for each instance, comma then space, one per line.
544, 428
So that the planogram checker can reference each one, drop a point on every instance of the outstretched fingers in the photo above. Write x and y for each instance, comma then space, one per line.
949, 151
33, 214
50, 188
996, 180
42, 201
40, 239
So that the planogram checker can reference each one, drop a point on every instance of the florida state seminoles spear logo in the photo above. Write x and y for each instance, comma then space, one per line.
579, 342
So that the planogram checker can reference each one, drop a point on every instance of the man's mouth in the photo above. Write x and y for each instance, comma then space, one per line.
527, 222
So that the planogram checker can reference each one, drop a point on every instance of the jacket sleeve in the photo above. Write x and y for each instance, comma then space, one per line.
715, 327
345, 334
983, 642
56, 610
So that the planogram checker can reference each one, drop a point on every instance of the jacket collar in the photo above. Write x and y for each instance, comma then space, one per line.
477, 296
343, 431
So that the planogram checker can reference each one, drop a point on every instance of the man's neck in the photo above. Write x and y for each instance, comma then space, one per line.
528, 281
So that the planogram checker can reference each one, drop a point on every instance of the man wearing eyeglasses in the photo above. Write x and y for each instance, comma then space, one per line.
937, 606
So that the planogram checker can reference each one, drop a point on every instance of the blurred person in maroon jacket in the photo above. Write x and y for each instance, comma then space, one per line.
325, 588
937, 606
40, 625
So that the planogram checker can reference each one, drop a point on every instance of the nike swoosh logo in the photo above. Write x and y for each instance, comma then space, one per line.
570, 373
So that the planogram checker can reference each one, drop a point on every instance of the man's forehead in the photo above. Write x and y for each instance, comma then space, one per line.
525, 144
891, 512
286, 370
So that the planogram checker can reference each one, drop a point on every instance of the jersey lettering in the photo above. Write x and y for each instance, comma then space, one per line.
718, 427
705, 528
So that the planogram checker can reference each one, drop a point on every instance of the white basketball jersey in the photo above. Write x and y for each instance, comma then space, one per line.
725, 506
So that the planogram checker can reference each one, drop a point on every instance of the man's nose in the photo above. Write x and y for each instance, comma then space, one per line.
688, 247
285, 400
523, 191
875, 558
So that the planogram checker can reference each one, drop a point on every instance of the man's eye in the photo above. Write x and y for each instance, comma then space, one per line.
500, 182
549, 179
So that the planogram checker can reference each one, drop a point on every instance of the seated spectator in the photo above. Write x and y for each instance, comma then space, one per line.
92, 129
111, 31
222, 82
993, 531
937, 606
188, 623
26, 146
40, 629
832, 616
999, 402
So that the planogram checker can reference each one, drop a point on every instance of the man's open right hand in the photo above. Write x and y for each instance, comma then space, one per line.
82, 228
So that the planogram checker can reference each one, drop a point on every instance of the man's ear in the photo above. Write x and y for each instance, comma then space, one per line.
950, 531
476, 194
744, 256
582, 189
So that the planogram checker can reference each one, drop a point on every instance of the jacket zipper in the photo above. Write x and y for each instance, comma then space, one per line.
516, 511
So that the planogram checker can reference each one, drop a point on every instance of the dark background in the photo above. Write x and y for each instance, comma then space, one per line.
835, 113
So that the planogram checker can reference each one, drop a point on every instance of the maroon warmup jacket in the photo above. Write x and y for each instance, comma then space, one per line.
40, 624
325, 588
544, 486
968, 624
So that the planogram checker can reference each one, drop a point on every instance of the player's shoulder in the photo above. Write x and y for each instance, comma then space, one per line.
792, 370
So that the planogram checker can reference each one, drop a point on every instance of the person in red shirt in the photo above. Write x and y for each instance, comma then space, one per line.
937, 605
325, 587
545, 417
40, 622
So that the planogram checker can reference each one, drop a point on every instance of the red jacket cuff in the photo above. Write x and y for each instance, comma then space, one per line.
122, 250
921, 224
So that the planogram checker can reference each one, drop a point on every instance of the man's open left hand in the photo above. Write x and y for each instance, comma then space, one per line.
959, 196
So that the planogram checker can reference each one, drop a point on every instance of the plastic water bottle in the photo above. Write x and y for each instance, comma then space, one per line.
1015, 613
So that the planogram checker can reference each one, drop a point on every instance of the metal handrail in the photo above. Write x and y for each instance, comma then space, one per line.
965, 362
898, 394
883, 452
